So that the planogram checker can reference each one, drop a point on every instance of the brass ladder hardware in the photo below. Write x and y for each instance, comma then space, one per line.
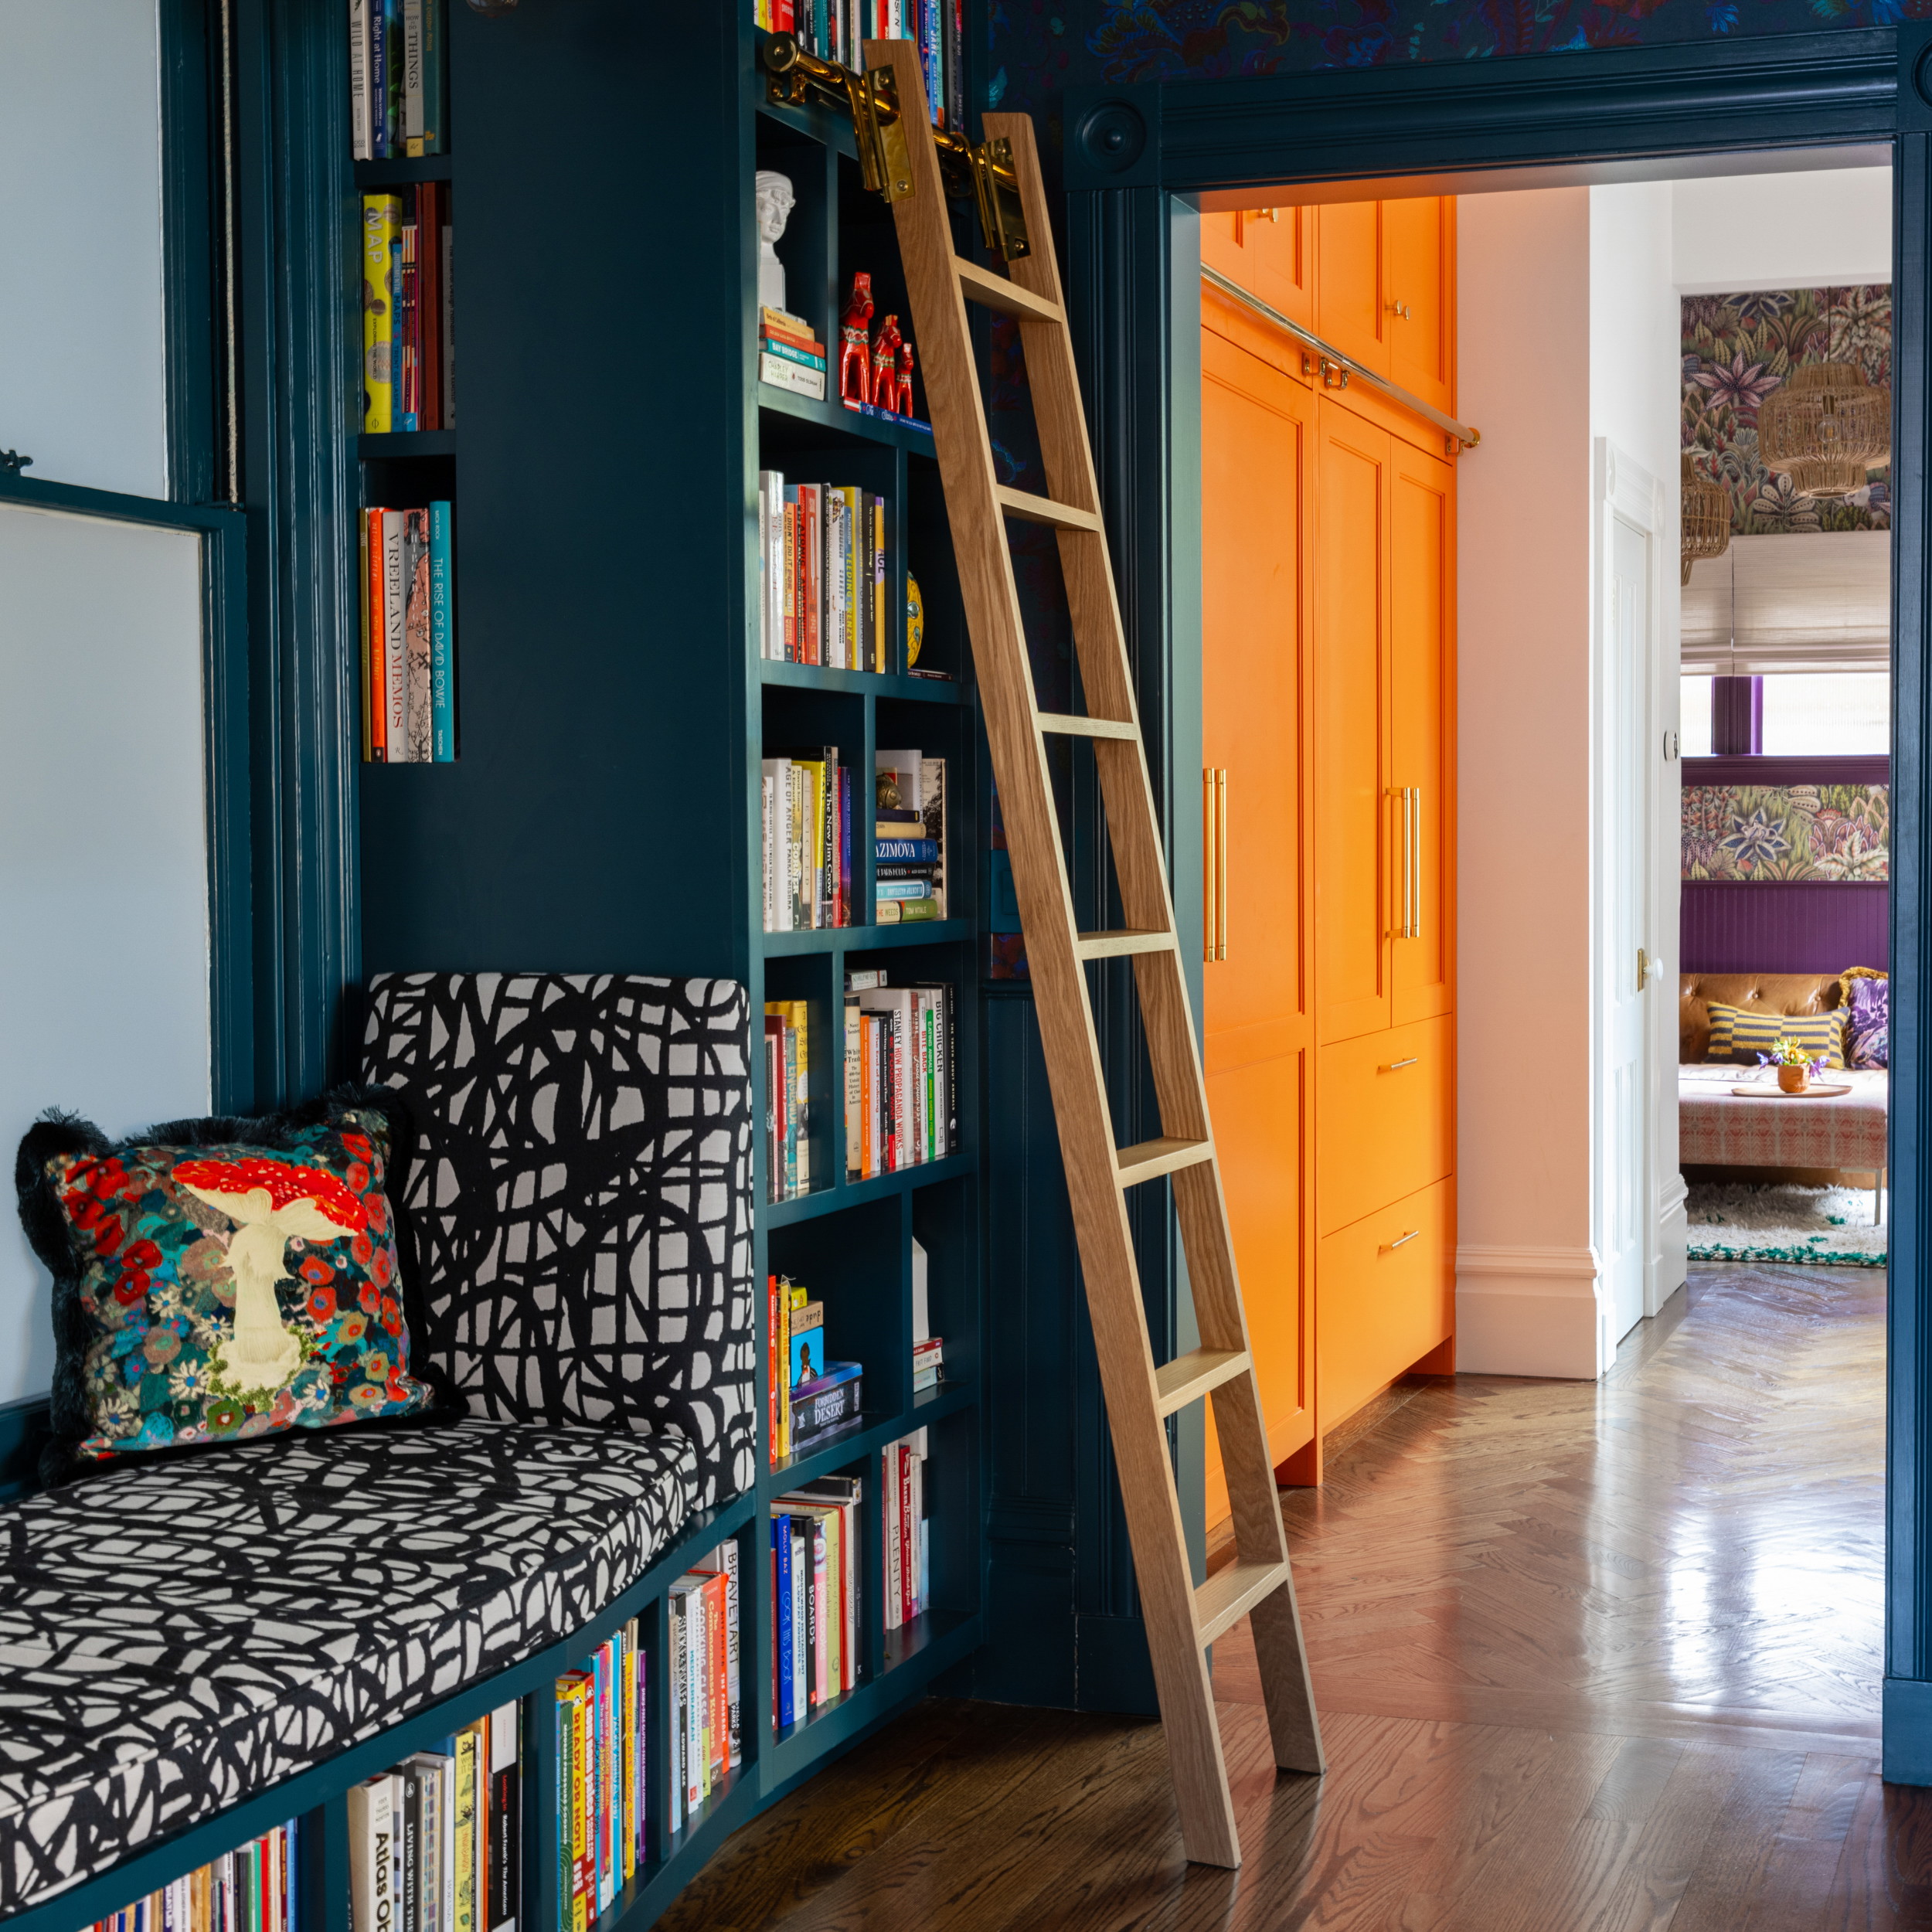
983, 169
1181, 1619
1462, 436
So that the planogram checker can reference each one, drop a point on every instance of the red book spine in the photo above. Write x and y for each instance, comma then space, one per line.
908, 1537
429, 288
378, 640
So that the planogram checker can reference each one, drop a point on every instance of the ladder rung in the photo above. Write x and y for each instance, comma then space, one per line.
1043, 509
1189, 1377
1065, 725
1148, 1160
982, 286
1224, 1599
1111, 945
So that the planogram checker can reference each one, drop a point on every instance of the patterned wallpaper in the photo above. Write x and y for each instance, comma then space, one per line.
1737, 349
1040, 46
1775, 834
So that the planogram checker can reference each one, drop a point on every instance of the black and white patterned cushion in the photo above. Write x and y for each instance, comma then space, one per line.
179, 1634
578, 1210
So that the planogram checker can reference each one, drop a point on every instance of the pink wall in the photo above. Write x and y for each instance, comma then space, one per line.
1526, 1297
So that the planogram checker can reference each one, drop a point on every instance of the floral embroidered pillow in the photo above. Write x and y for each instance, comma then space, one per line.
1870, 1027
217, 1291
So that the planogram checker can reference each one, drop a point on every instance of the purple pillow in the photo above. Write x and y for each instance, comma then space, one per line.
1869, 1034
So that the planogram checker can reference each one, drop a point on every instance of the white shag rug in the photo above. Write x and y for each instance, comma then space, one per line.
1738, 1221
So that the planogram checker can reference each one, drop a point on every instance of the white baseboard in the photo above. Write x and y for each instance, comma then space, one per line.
1528, 1311
1673, 1241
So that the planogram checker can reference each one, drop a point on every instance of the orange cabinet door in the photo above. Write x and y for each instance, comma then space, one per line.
1354, 816
1418, 281
1270, 252
1387, 1297
1387, 1106
1349, 294
1422, 729
1256, 439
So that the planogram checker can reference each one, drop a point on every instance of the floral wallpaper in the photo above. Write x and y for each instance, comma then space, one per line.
1038, 47
1766, 833
1737, 350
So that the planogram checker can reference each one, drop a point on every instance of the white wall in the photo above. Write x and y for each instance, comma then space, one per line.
81, 328
1525, 1301
1781, 231
103, 866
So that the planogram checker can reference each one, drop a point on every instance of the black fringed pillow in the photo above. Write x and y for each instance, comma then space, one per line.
218, 1280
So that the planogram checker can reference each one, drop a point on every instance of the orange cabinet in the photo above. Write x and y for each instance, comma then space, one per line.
1257, 446
1328, 726
1387, 1105
1270, 253
1388, 1297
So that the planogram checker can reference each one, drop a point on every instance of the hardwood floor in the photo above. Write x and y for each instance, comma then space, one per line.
1591, 1658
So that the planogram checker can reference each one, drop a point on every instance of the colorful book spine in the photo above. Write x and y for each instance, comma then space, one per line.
442, 651
361, 100
381, 222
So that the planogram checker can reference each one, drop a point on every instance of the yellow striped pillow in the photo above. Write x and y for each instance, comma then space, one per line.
1739, 1035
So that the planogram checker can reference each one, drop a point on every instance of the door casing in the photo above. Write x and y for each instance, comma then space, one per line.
1139, 159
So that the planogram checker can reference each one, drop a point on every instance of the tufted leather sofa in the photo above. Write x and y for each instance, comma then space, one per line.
1756, 992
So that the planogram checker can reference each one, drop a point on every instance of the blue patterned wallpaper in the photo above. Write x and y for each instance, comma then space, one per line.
1040, 46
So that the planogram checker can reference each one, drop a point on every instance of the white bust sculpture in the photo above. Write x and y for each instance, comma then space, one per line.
772, 193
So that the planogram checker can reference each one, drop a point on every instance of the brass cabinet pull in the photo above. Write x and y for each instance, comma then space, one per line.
1396, 1066
1403, 1240
1409, 923
1214, 871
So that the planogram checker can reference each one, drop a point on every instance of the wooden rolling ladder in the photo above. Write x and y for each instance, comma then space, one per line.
1181, 1620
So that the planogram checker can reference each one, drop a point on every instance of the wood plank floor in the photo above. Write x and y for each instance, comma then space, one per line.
1591, 1658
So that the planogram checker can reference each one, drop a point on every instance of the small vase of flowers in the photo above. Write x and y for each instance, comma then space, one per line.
1796, 1066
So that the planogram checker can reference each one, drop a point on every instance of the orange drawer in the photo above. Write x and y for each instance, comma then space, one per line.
1385, 1297
1384, 1118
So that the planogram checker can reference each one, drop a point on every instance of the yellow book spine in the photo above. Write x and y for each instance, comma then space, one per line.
465, 1917
630, 1715
580, 1807
381, 226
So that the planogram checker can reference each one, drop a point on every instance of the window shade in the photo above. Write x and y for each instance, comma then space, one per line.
1813, 601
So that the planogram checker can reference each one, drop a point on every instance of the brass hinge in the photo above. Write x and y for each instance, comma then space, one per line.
984, 169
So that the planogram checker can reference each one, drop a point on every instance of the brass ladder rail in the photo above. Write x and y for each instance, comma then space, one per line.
1181, 1620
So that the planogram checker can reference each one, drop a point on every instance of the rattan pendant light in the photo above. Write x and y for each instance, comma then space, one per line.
1824, 427
1705, 519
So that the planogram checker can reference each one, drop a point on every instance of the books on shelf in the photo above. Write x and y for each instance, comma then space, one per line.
407, 575
837, 30
805, 804
435, 1843
902, 1476
824, 567
790, 356
812, 1398
705, 1719
252, 1889
600, 1712
901, 1079
814, 1596
408, 310
909, 830
398, 78
787, 1099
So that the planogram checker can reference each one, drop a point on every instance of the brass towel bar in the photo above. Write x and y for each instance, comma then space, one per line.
1465, 433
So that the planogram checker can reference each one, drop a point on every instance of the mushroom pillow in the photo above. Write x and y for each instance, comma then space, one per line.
217, 1280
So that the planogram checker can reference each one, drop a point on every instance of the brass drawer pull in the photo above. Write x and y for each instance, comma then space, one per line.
1403, 1240
1396, 1066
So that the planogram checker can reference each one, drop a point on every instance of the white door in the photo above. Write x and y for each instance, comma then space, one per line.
1624, 985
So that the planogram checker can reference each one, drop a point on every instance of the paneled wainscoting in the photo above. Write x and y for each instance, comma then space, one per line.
1592, 1657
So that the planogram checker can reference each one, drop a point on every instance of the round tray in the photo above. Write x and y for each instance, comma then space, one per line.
1818, 1090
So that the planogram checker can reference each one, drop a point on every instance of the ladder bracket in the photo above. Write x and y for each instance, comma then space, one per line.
984, 169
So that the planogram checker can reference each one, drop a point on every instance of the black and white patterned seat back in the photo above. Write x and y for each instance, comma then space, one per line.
579, 1204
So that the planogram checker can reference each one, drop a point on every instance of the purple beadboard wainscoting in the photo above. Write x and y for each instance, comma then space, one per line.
1801, 926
